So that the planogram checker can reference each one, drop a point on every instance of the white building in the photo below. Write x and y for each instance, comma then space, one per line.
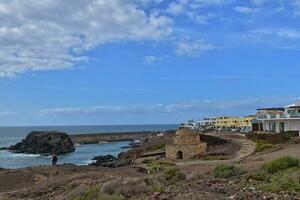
280, 119
208, 121
189, 125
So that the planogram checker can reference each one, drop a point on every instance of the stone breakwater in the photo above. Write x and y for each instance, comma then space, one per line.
116, 137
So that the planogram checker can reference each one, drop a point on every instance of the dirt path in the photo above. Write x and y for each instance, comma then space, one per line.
253, 161
247, 148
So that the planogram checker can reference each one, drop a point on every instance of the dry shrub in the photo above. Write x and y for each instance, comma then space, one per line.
193, 176
127, 187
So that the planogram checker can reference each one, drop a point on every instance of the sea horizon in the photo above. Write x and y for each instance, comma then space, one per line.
131, 124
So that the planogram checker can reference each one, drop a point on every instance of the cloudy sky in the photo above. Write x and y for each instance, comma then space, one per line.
145, 61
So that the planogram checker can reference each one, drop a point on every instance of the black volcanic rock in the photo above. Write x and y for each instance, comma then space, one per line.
100, 160
109, 161
44, 143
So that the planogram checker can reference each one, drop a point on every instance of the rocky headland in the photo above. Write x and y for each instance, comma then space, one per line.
45, 143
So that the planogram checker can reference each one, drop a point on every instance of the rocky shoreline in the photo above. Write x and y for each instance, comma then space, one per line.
55, 142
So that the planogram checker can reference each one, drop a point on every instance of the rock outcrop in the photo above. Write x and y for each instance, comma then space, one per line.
44, 143
109, 161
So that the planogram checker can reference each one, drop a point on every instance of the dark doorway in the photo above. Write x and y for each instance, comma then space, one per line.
281, 127
179, 155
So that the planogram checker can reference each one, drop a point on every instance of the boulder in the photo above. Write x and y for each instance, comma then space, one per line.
106, 158
45, 143
100, 160
108, 161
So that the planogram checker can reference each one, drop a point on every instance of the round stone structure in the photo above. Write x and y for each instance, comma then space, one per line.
186, 145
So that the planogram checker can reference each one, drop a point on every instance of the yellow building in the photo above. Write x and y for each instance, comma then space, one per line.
234, 122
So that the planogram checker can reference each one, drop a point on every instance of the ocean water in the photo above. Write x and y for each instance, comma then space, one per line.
83, 153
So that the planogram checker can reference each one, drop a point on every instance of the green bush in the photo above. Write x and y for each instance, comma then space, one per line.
147, 161
173, 174
279, 175
158, 189
281, 164
225, 171
95, 194
262, 145
288, 181
258, 176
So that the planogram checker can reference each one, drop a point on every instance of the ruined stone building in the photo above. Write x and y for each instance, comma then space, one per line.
186, 145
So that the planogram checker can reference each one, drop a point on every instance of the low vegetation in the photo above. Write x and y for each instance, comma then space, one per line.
281, 164
127, 188
157, 147
226, 171
262, 145
162, 174
4, 198
215, 157
279, 175
173, 175
273, 138
96, 194
153, 166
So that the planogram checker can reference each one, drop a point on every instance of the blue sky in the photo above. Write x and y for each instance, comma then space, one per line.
80, 62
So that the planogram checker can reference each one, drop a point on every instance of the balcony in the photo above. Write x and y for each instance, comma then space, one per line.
295, 115
278, 116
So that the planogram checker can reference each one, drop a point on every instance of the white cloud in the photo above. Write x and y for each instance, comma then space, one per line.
54, 34
206, 107
193, 48
245, 10
275, 32
281, 38
151, 59
196, 4
294, 5
201, 18
177, 8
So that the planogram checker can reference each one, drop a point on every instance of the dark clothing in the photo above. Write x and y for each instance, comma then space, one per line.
54, 160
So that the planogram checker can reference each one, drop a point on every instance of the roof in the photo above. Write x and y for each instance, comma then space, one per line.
277, 109
294, 106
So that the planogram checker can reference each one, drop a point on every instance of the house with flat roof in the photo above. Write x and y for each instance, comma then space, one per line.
234, 122
280, 119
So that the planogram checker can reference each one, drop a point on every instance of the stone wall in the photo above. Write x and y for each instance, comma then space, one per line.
186, 137
188, 151
186, 145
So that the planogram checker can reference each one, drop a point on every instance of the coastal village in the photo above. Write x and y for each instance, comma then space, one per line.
266, 120
243, 158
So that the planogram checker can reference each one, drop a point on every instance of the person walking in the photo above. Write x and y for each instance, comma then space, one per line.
54, 159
